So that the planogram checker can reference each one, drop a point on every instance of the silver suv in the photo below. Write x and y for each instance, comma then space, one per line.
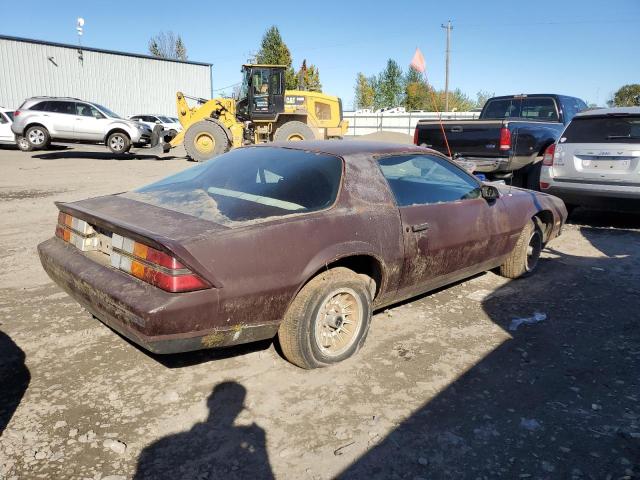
43, 119
596, 161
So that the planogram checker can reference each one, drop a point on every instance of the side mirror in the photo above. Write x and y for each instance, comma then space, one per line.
158, 122
98, 115
490, 193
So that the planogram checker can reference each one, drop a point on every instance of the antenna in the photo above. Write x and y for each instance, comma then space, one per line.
80, 30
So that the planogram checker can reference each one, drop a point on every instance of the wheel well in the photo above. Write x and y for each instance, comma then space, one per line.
117, 130
363, 264
544, 221
34, 124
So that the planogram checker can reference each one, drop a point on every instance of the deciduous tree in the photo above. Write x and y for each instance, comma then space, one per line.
168, 45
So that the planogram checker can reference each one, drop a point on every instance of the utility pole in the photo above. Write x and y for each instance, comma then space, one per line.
448, 27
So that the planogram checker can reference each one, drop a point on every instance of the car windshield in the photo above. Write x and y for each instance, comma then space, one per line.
165, 120
249, 184
107, 112
603, 129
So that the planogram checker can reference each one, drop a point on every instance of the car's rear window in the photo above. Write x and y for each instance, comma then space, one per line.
249, 184
605, 129
530, 108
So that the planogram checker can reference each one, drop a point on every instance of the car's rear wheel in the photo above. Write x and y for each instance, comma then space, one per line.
524, 257
37, 136
119, 142
23, 144
328, 320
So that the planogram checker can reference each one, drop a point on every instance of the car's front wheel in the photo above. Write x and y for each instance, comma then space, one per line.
119, 142
37, 136
329, 319
524, 257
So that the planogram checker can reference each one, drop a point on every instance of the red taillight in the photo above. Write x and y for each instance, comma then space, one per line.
544, 185
16, 113
153, 266
415, 136
505, 139
547, 159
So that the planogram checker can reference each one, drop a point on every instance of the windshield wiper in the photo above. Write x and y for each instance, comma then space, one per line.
611, 137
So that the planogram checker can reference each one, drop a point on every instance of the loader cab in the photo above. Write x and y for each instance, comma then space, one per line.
261, 95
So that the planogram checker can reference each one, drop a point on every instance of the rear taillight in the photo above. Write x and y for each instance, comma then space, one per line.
16, 113
547, 158
505, 139
153, 266
415, 136
544, 185
77, 232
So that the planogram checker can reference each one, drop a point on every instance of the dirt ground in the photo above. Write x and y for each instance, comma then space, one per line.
488, 378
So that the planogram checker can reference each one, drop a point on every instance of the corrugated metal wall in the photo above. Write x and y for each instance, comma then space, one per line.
125, 84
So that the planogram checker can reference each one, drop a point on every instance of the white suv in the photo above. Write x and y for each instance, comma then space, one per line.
43, 119
168, 124
596, 161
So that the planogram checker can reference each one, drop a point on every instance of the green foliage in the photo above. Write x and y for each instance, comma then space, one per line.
416, 91
627, 96
364, 92
390, 85
273, 51
168, 45
308, 78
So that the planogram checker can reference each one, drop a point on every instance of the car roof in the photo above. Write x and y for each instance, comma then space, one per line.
350, 147
609, 111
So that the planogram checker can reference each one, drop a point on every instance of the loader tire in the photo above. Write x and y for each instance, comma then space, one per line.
293, 131
204, 140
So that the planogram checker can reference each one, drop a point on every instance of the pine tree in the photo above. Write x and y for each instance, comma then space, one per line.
181, 49
273, 51
391, 85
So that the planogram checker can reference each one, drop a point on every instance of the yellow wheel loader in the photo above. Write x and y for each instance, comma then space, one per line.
263, 111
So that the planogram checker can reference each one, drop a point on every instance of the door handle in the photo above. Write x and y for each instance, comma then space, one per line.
420, 227
456, 129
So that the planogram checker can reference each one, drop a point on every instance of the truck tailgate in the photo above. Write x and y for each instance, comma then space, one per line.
469, 138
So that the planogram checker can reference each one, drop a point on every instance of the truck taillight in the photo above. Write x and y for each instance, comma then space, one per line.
505, 138
153, 266
547, 158
415, 136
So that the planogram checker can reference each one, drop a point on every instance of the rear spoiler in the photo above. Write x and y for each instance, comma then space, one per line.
141, 235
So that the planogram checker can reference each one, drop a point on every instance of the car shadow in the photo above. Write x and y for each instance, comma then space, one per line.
217, 448
558, 399
603, 218
69, 154
14, 378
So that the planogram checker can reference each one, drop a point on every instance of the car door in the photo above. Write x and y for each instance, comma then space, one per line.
91, 124
6, 135
61, 118
450, 231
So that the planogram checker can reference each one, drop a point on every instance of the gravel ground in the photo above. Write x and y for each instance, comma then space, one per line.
488, 378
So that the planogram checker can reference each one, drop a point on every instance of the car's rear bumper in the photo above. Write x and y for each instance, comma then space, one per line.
595, 195
158, 321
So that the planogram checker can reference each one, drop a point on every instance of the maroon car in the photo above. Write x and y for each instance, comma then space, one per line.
300, 241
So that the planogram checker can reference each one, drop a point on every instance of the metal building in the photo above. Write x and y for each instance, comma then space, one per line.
126, 83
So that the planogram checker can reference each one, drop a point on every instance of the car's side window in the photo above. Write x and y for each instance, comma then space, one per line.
40, 107
62, 107
427, 179
3, 119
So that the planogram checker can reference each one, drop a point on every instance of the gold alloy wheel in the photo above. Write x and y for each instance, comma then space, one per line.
338, 322
205, 143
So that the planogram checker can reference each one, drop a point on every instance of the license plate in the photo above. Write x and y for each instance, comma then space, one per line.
605, 163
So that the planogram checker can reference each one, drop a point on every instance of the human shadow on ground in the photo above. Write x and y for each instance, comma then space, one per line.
560, 399
14, 378
213, 449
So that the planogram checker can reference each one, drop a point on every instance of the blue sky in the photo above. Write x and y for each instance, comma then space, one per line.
584, 48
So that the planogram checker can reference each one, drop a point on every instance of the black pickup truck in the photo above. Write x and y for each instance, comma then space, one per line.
509, 138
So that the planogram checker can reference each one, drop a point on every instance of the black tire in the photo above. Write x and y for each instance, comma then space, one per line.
532, 181
118, 142
23, 144
307, 315
293, 131
523, 261
38, 136
204, 140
